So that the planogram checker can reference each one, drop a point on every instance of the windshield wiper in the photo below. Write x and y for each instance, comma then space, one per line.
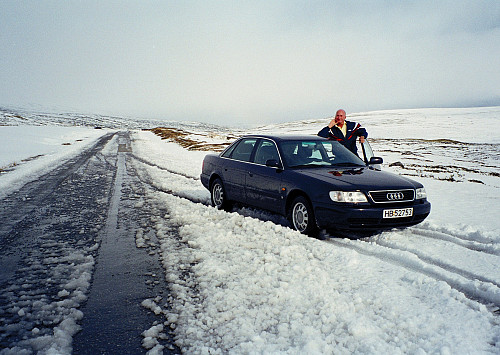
300, 166
343, 164
346, 164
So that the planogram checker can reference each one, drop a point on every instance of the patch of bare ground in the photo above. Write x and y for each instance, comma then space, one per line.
182, 138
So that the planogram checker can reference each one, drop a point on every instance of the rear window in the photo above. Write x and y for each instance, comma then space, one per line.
227, 153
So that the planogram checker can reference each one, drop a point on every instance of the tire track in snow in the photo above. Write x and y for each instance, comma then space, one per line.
146, 178
475, 245
483, 292
144, 161
439, 263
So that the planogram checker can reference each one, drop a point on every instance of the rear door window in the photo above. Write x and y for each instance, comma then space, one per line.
243, 151
266, 150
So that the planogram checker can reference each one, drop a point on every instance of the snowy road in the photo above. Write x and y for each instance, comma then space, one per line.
49, 234
69, 260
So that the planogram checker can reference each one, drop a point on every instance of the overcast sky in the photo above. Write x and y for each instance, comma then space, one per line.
232, 62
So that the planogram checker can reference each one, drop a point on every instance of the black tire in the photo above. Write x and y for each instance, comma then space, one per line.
218, 196
301, 217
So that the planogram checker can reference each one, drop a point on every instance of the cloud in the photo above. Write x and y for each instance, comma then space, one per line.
236, 62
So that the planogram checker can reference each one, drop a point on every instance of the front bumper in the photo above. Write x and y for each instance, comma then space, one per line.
367, 217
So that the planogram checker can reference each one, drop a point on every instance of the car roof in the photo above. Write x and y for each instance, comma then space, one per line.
285, 137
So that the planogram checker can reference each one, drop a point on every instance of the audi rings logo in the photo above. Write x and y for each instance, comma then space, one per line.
395, 196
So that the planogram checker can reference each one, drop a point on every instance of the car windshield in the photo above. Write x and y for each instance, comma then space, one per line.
317, 153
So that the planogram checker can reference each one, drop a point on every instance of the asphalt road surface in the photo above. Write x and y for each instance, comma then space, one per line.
71, 276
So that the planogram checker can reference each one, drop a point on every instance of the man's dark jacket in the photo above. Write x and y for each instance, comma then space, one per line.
354, 130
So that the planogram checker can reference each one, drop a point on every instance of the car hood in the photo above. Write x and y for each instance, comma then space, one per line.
362, 178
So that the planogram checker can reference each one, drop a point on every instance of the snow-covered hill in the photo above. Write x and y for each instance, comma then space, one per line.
19, 116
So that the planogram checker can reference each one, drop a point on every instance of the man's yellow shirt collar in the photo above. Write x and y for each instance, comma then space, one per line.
343, 129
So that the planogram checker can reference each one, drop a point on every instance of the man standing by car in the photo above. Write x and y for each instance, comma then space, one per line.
344, 132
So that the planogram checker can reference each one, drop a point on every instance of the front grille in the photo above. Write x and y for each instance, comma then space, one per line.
392, 196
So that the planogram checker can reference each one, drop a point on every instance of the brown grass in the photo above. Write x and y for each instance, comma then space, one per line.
181, 137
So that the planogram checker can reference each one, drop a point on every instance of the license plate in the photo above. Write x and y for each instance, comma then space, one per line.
398, 213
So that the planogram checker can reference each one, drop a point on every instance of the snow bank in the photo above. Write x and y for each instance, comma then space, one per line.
28, 152
258, 287
243, 285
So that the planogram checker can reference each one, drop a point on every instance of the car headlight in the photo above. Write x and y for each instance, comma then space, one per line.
348, 196
420, 193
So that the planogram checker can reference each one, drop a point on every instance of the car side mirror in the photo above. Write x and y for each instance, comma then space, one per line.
376, 160
273, 163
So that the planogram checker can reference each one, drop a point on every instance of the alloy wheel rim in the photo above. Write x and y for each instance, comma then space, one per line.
300, 217
218, 195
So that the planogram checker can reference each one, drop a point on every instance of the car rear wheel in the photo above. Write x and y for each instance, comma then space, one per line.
218, 194
301, 216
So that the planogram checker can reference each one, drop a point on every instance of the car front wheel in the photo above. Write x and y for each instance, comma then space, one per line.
301, 216
218, 194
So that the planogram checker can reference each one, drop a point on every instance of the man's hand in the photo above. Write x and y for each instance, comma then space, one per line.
332, 123
362, 139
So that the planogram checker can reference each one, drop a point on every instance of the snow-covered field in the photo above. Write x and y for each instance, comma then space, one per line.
243, 282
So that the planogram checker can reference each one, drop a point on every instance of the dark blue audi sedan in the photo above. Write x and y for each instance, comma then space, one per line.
315, 182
